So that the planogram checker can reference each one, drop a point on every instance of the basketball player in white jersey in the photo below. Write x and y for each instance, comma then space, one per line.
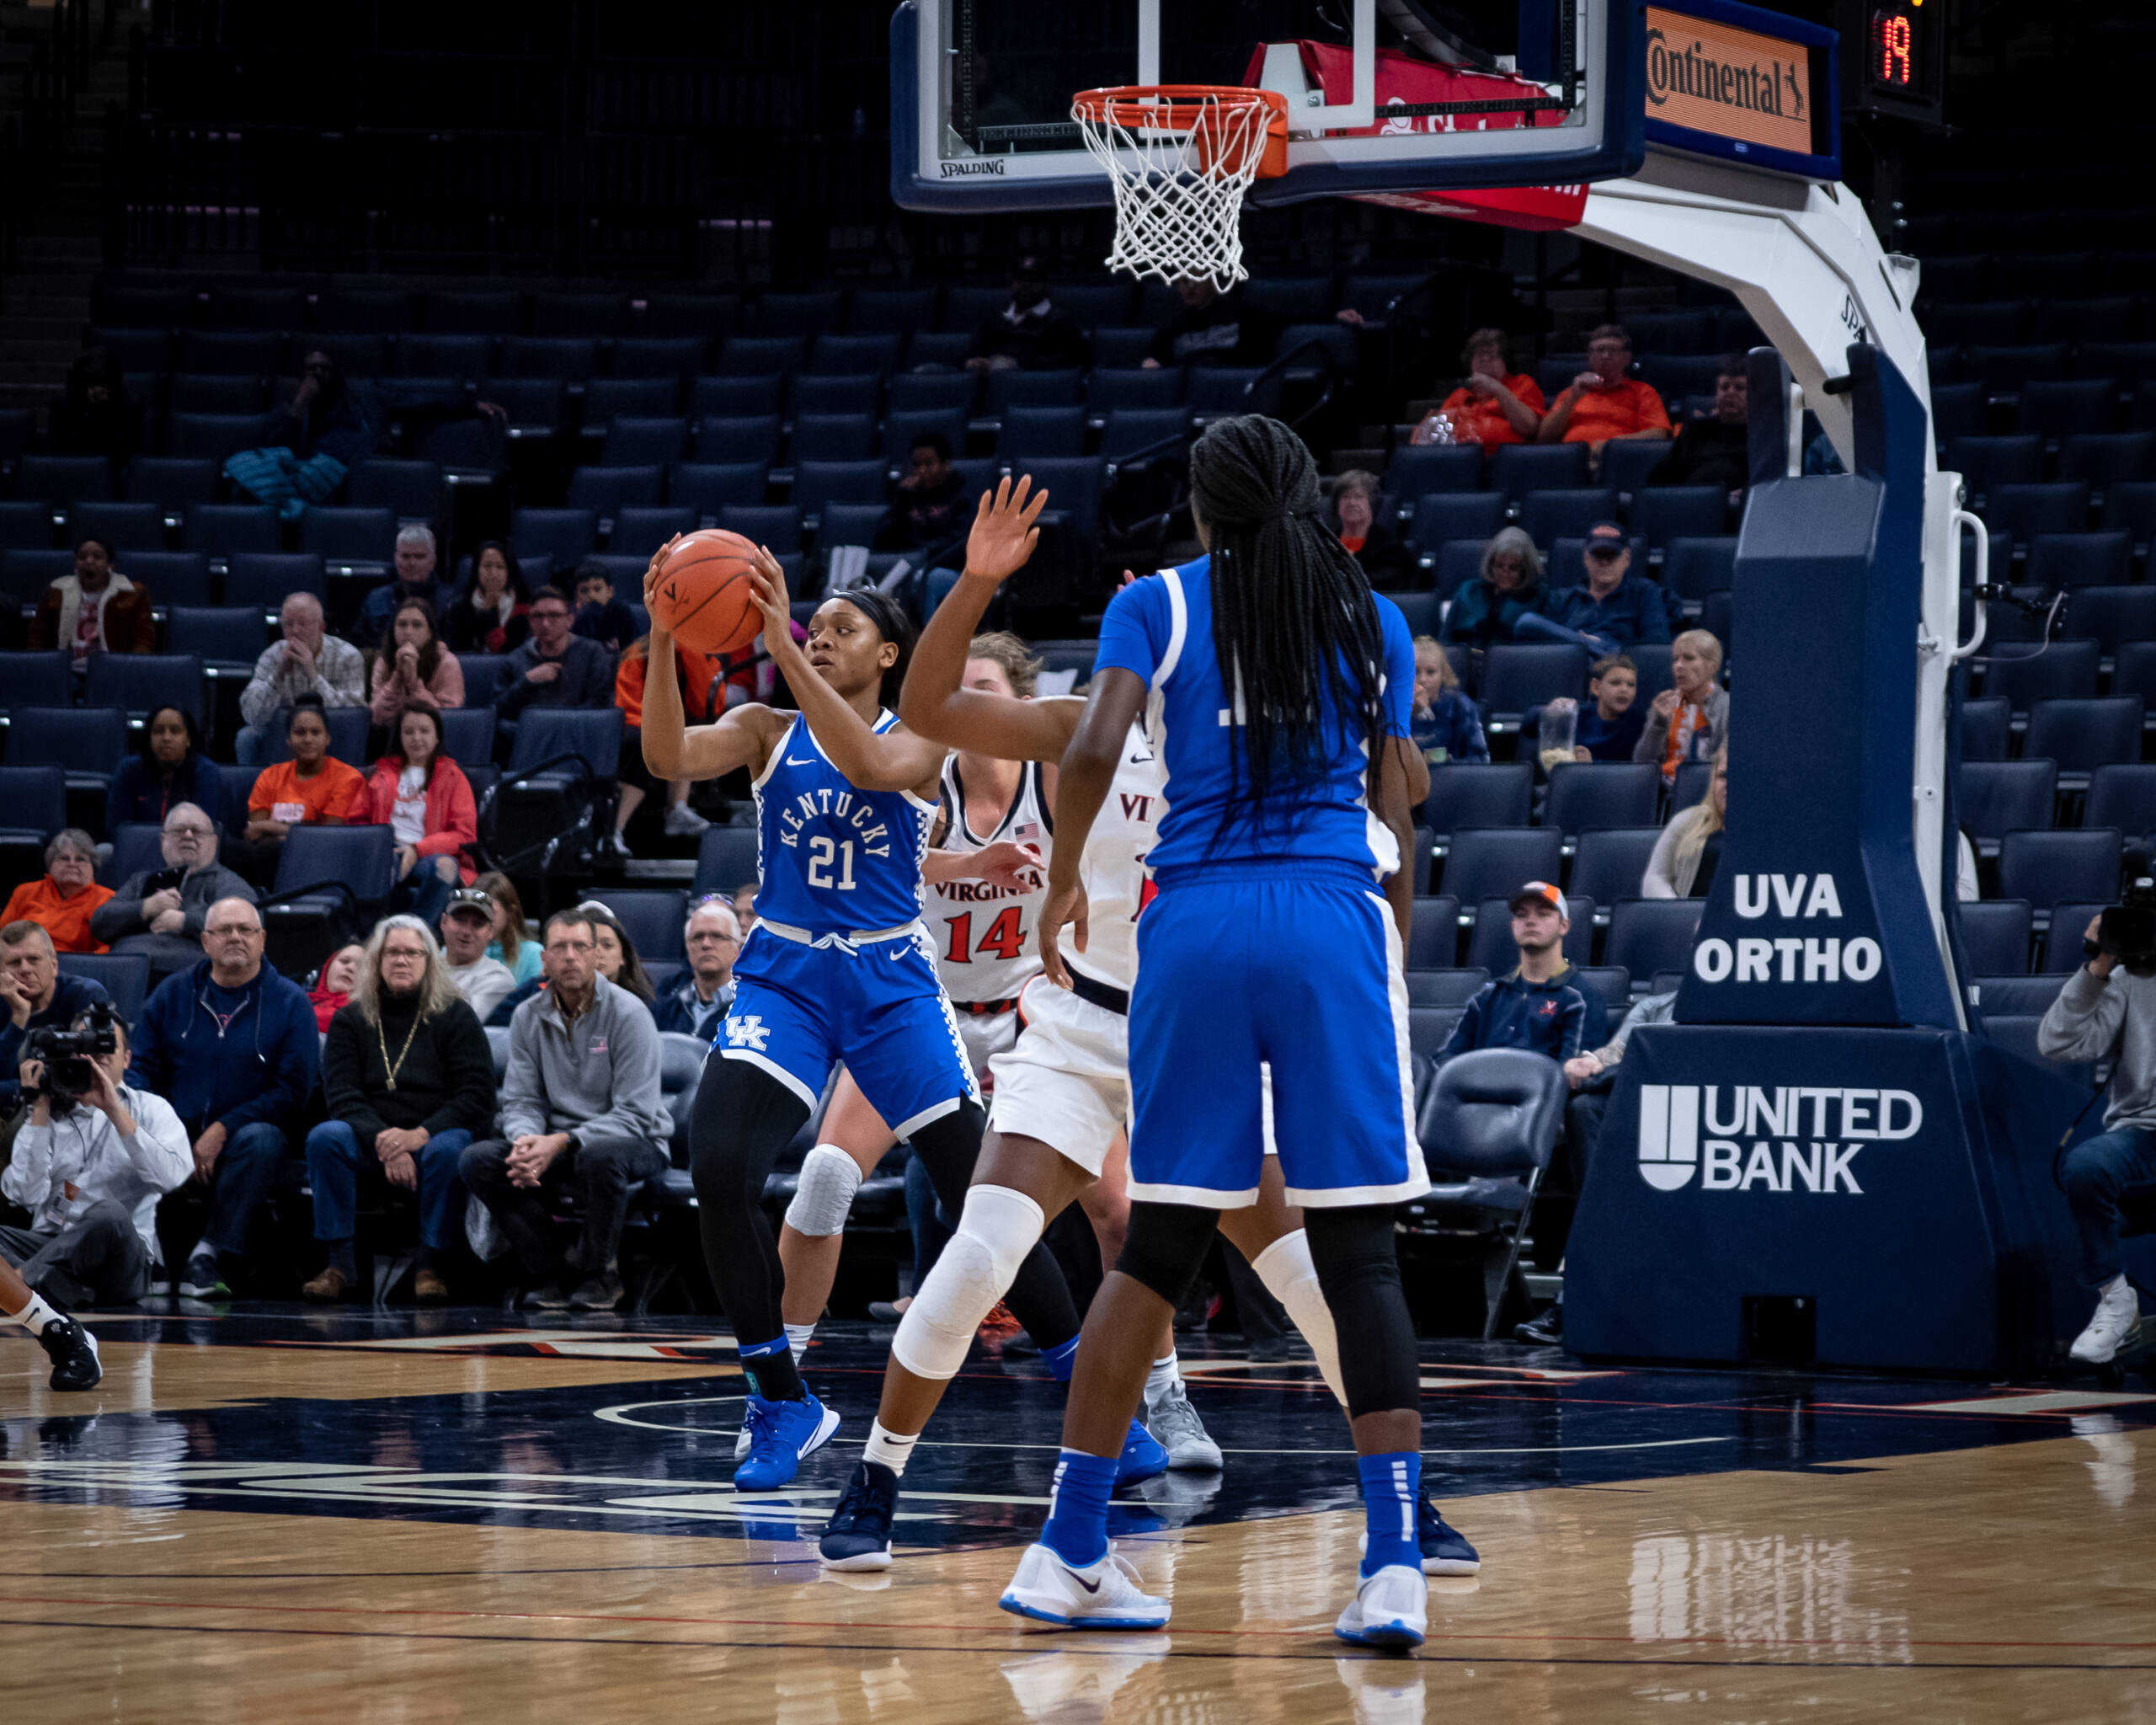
1061, 1095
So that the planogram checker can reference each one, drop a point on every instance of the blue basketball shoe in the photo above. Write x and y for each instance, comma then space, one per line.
780, 1433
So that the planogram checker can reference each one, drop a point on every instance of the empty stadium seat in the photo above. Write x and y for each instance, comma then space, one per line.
1996, 797
566, 535
2064, 948
1443, 517
1517, 468
708, 487
833, 437
726, 858
84, 742
655, 917
638, 532
2084, 734
1611, 862
2112, 617
121, 526
415, 490
353, 537
1585, 795
2046, 867
1647, 934
1486, 863
1452, 987
1987, 729
264, 580
1433, 933
2057, 670
606, 491
818, 483
224, 634
1416, 472
1546, 516
1995, 935
2023, 511
1472, 793
1516, 677
778, 526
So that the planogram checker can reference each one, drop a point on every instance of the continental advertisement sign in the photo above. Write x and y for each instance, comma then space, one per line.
1714, 77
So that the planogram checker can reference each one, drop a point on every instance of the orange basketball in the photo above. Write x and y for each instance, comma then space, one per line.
703, 597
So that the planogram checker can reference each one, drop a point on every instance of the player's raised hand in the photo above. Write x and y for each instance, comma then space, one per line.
1004, 534
1015, 867
1065, 908
651, 578
767, 584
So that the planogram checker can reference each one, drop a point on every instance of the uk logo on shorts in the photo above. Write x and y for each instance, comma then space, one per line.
751, 1032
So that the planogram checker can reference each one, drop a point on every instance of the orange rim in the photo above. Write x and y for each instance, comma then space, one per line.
1200, 108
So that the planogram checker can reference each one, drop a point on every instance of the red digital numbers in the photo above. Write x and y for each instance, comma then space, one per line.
1891, 42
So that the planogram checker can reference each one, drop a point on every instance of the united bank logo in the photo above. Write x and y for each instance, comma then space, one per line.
1783, 1139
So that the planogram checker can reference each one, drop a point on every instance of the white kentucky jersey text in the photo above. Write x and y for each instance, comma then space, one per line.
984, 933
832, 858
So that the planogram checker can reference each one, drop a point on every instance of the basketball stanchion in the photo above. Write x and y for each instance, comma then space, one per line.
1179, 159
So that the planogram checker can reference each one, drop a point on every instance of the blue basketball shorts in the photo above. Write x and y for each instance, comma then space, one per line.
1296, 964
877, 1006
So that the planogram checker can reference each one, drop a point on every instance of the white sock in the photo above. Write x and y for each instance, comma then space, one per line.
1161, 1379
797, 1339
893, 1449
1288, 1274
34, 1316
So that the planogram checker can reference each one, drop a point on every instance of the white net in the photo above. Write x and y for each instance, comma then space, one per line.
1179, 164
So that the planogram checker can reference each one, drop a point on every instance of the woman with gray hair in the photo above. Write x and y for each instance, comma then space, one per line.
1365, 533
63, 899
1486, 610
410, 1083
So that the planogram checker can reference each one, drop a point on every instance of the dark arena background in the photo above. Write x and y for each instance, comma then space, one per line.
1777, 1311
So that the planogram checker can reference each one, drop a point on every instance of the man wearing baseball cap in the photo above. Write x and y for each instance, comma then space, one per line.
1609, 610
467, 926
1536, 1005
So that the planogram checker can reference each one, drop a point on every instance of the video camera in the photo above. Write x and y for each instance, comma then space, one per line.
65, 1056
2127, 930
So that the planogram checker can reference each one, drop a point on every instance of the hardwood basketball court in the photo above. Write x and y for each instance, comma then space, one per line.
278, 1514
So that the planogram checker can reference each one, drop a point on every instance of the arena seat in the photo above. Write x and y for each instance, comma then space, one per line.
1516, 677
1662, 514
1585, 795
817, 484
607, 491
1610, 862
2063, 945
2026, 674
1465, 793
655, 918
565, 535
1987, 729
1647, 934
1444, 988
1494, 862
640, 530
1443, 517
2017, 1034
264, 579
1433, 934
2015, 995
2084, 734
1517, 468
2046, 867
1028, 432
1546, 516
1420, 471
1995, 935
1996, 797
935, 394
141, 683
708, 487
726, 858
227, 634
2112, 617
84, 742
45, 679
778, 526
1694, 567
2078, 560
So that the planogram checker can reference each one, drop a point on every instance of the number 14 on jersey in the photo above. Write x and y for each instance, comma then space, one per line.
1002, 939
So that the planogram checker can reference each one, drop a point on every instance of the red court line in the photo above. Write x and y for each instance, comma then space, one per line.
452, 1615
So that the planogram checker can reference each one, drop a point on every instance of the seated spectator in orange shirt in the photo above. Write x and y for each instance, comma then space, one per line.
1493, 406
1603, 403
60, 902
313, 787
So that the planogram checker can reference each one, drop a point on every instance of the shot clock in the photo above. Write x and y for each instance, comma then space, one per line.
1895, 57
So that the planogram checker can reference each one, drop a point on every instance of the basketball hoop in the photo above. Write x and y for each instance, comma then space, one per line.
1179, 159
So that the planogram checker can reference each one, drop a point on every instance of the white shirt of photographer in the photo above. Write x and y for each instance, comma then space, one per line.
83, 1150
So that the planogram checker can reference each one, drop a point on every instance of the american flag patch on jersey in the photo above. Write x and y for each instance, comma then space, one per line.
1027, 832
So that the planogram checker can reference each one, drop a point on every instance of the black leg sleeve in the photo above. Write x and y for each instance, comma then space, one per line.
1359, 1269
743, 1119
1039, 1297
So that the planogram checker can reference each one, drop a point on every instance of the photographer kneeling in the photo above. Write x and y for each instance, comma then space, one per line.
2107, 1011
90, 1163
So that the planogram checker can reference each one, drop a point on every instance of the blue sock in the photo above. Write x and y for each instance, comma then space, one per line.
1077, 1530
1391, 1486
770, 1369
1061, 1359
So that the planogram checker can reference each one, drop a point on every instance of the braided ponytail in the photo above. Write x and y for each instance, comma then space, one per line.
1296, 630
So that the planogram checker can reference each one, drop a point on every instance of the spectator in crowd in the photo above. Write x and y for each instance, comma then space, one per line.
35, 996
1445, 725
1611, 609
95, 610
405, 1118
62, 900
2106, 1010
1493, 405
555, 667
701, 687
168, 768
414, 581
1681, 864
312, 788
490, 615
702, 999
1213, 328
1610, 723
1366, 535
600, 615
931, 511
514, 943
338, 976
306, 662
1603, 401
483, 982
232, 1045
1688, 721
1029, 332
1537, 1005
424, 798
581, 1109
1715, 451
95, 414
1591, 1075
744, 907
1488, 608
614, 955
413, 668
160, 913
90, 1170
308, 444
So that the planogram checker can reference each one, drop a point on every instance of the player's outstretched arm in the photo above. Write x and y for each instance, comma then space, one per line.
896, 760
742, 737
934, 701
1082, 784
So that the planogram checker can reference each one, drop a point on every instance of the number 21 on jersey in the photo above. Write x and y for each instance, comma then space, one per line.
1003, 937
822, 852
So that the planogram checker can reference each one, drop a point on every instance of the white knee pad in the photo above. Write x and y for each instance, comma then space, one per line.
1291, 1278
824, 1197
998, 1228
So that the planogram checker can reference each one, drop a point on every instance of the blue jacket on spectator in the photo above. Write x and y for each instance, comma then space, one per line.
587, 679
1510, 1012
260, 1066
136, 795
1633, 612
1453, 731
1480, 615
1613, 740
71, 996
680, 1011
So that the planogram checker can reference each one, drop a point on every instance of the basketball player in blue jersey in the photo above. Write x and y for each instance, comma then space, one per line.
838, 968
1276, 687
